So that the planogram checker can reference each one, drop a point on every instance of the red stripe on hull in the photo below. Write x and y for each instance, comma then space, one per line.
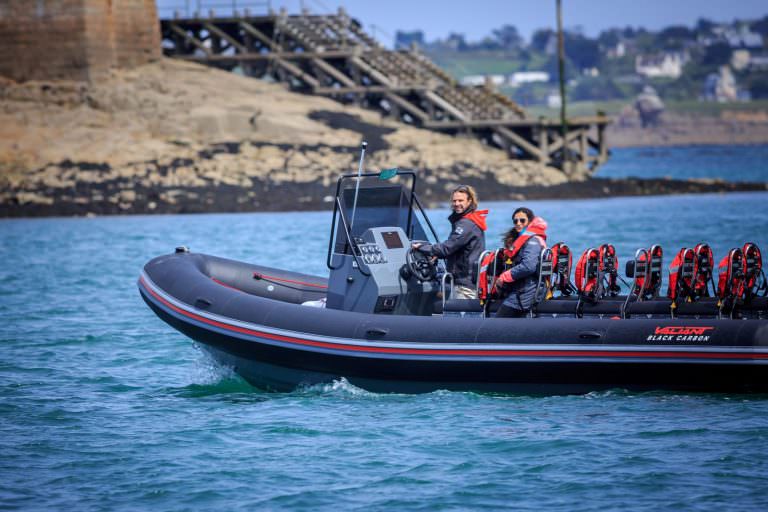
458, 352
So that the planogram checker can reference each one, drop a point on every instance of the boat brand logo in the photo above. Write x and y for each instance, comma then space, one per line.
676, 329
681, 333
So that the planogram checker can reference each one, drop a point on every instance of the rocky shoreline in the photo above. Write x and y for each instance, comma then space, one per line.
140, 195
175, 137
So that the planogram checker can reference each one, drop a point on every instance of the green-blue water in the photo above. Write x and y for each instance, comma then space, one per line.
104, 407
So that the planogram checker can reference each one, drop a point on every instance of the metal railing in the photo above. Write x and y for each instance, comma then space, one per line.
210, 8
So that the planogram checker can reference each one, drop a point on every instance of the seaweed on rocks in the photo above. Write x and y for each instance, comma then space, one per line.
371, 133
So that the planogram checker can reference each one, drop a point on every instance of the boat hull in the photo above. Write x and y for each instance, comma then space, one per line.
279, 345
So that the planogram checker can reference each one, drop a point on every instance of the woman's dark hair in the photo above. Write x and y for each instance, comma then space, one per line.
511, 235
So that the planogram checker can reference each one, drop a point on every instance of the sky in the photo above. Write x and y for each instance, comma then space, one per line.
477, 18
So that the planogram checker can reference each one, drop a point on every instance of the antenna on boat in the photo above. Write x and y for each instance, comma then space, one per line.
357, 185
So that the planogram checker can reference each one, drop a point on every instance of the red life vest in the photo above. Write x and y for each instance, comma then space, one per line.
486, 280
587, 272
563, 259
730, 284
537, 228
681, 275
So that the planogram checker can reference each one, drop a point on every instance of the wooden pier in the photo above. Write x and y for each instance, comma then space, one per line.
331, 55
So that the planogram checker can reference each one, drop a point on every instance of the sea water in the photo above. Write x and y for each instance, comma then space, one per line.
105, 407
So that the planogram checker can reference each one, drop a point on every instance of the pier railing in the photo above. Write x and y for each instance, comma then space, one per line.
331, 55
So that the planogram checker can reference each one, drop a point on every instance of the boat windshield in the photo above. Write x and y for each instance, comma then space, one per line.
379, 204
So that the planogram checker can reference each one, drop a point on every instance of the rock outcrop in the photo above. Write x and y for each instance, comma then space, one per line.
179, 137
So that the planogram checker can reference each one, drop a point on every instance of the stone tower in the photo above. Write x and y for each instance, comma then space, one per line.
75, 39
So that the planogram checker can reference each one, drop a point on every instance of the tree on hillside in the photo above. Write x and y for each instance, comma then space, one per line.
582, 51
674, 37
610, 38
758, 85
552, 67
455, 42
717, 54
540, 39
507, 37
631, 33
760, 26
595, 89
704, 27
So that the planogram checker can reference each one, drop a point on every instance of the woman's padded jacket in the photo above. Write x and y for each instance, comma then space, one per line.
521, 279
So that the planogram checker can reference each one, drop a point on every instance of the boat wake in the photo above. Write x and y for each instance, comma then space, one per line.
340, 387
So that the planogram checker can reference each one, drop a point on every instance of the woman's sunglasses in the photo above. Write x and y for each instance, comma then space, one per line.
520, 221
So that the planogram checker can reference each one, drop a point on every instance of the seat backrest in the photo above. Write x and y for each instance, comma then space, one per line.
488, 270
463, 308
655, 272
730, 283
608, 273
639, 275
544, 283
561, 272
587, 270
681, 275
754, 278
703, 265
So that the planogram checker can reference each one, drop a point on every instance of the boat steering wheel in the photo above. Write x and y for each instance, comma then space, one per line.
422, 266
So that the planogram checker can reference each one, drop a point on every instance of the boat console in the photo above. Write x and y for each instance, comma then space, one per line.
372, 266
379, 278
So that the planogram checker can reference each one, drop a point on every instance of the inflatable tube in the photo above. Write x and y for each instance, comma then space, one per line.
252, 318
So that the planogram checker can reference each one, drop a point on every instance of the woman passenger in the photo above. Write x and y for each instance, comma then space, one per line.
523, 245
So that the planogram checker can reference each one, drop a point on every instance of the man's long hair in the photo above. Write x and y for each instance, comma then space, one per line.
471, 195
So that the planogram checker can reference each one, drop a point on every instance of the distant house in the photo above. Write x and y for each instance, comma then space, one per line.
617, 51
483, 79
721, 86
472, 80
743, 38
526, 77
661, 65
554, 100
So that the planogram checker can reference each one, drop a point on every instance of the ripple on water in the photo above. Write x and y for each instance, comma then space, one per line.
104, 407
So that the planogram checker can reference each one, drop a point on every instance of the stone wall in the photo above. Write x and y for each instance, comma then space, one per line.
75, 39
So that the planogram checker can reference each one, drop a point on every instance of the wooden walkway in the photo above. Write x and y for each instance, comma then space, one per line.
331, 55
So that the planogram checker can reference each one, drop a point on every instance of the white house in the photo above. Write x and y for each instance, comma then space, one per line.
483, 79
662, 65
526, 77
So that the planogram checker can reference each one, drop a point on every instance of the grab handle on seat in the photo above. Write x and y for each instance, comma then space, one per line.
445, 278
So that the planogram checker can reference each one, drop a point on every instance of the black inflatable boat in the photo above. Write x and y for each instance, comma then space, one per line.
381, 319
